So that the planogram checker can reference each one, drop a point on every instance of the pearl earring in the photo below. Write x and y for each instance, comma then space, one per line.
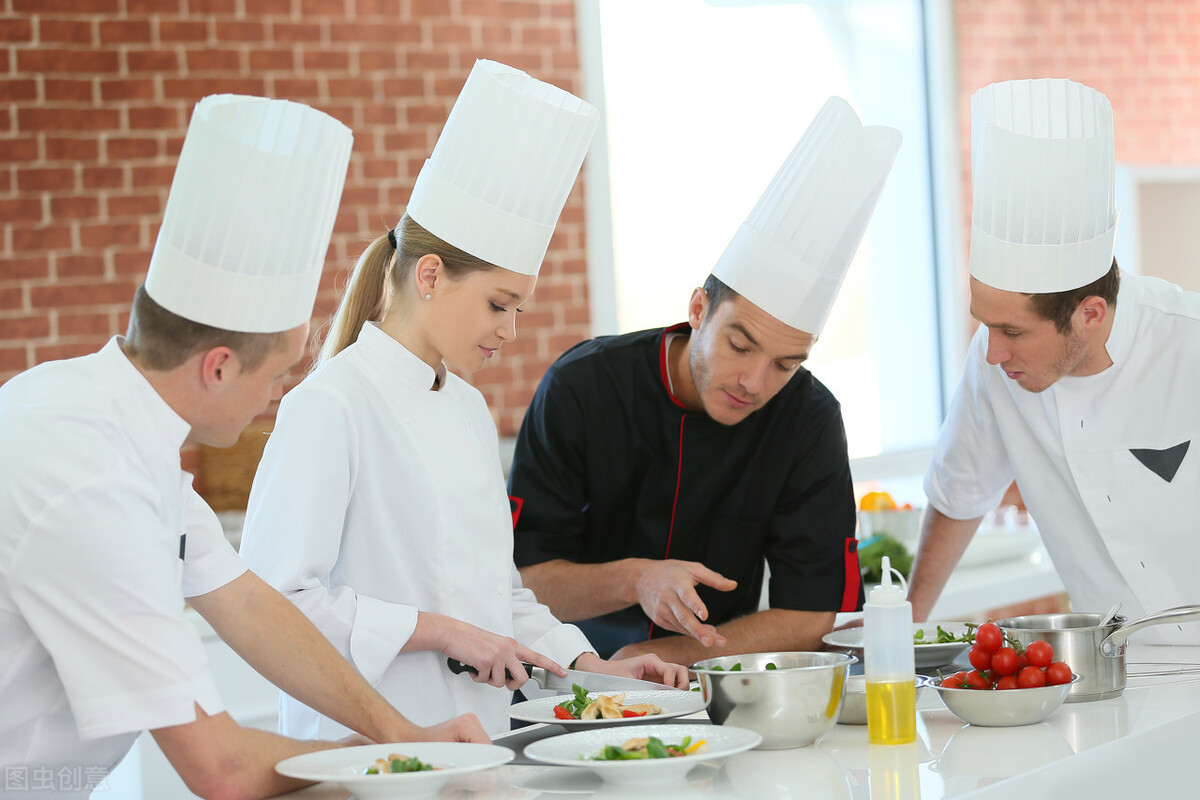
428, 297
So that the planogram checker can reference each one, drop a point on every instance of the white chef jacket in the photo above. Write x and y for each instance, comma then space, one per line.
377, 497
93, 504
1116, 529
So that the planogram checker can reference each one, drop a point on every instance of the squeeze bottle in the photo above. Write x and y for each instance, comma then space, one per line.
888, 662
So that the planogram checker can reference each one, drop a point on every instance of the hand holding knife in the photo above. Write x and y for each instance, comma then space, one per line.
592, 681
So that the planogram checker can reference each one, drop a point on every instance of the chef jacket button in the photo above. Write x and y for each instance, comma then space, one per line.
500, 589
406, 419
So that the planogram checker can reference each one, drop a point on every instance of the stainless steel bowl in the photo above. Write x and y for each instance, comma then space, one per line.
854, 706
1003, 708
792, 705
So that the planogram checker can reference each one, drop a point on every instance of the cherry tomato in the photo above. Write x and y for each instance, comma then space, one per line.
1031, 678
1058, 673
1022, 661
1007, 682
954, 681
980, 658
977, 680
1005, 661
562, 713
1040, 654
989, 637
627, 713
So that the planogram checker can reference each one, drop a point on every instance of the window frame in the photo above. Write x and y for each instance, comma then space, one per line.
949, 269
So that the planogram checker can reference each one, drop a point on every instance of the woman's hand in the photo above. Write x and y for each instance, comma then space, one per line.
490, 654
648, 667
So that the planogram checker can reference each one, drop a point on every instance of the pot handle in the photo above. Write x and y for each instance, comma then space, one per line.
1110, 647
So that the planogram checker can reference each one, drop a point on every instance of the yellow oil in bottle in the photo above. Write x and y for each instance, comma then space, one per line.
891, 712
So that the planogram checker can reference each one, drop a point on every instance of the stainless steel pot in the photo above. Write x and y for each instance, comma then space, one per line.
1095, 652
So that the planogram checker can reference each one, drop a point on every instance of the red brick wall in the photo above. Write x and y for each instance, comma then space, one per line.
1144, 56
96, 98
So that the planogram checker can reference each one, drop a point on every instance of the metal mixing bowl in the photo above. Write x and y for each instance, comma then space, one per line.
854, 707
1002, 708
792, 705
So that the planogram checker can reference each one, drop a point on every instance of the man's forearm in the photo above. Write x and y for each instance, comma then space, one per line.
275, 638
775, 629
216, 757
581, 591
943, 541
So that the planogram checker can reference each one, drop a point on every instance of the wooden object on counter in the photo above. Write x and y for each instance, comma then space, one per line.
224, 474
1053, 604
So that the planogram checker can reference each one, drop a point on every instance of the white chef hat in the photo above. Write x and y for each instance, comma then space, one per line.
248, 218
502, 169
1042, 162
792, 252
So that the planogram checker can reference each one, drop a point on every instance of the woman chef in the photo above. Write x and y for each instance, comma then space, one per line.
379, 507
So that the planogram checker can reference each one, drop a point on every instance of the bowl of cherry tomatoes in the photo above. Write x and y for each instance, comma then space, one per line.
1009, 683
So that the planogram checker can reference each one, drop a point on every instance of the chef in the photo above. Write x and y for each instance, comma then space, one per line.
379, 506
102, 537
1081, 381
658, 469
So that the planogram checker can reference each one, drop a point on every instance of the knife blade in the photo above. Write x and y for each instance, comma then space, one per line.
592, 681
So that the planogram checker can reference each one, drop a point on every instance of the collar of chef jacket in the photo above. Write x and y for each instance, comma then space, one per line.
397, 364
147, 419
1120, 338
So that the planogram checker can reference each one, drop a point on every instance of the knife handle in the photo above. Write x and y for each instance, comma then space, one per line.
459, 667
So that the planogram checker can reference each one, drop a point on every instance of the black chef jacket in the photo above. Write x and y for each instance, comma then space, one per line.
609, 465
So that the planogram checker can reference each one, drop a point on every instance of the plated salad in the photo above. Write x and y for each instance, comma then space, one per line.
643, 747
396, 763
602, 707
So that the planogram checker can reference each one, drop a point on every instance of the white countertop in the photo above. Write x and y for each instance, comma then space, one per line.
1140, 742
998, 571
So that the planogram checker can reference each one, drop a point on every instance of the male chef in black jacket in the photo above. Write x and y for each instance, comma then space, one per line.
656, 471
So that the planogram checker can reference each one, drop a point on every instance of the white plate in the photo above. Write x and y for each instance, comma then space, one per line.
925, 655
346, 765
674, 702
576, 749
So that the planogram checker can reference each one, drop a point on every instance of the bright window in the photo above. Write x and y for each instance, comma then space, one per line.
702, 101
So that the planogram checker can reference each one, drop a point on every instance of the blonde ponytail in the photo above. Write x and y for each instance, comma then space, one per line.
380, 275
365, 298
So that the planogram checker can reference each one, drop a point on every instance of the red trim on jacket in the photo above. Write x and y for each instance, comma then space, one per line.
515, 504
853, 576
674, 503
666, 382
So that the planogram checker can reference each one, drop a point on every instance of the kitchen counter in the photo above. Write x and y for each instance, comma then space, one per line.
1138, 743
978, 584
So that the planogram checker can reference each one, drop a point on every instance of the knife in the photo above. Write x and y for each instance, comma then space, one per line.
591, 681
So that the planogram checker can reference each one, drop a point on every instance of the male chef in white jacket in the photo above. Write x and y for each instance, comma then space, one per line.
1081, 382
102, 536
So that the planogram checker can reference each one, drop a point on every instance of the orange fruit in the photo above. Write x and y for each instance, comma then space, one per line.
877, 501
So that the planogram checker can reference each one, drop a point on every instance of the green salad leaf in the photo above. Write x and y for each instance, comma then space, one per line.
944, 636
578, 703
871, 552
